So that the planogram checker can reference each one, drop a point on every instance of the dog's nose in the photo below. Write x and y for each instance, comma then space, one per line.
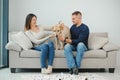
56, 35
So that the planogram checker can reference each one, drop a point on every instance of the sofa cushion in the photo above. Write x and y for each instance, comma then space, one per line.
11, 34
60, 54
21, 39
97, 42
111, 47
95, 54
95, 34
13, 46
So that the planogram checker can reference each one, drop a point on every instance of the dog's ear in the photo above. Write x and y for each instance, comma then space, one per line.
62, 24
61, 27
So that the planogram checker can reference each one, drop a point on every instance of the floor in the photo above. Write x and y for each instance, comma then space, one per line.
6, 75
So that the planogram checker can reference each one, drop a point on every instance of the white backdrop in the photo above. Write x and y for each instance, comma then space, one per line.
99, 15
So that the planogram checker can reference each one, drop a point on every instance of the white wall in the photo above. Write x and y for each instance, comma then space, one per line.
99, 15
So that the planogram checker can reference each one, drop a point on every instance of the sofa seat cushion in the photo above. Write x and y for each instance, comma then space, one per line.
60, 54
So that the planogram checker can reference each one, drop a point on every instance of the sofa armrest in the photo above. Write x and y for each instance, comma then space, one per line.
111, 47
13, 46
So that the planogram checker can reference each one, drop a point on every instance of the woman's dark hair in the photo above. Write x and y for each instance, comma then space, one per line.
28, 21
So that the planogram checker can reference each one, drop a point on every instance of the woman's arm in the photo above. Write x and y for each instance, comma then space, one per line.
34, 40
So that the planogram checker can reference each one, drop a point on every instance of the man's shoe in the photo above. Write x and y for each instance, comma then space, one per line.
75, 71
71, 71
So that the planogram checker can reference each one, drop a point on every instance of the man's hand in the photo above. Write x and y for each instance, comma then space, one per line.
61, 38
68, 41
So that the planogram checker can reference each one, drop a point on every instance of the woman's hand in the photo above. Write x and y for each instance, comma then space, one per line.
61, 38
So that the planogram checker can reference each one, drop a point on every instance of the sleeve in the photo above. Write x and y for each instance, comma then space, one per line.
34, 40
82, 36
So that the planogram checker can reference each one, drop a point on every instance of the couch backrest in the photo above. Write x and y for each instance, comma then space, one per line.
99, 34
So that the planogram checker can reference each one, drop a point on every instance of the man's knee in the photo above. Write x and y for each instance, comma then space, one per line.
81, 46
67, 46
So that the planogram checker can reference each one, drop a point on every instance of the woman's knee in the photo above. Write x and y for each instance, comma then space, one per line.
44, 47
51, 44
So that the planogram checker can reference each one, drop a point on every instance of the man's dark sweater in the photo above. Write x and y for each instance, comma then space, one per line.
79, 34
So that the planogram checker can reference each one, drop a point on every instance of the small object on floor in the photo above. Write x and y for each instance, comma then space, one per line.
86, 78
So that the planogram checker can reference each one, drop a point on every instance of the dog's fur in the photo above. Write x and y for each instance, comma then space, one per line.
60, 30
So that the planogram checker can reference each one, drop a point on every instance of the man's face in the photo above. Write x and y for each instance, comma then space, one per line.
76, 19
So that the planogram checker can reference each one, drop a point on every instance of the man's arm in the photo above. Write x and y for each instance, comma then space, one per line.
82, 37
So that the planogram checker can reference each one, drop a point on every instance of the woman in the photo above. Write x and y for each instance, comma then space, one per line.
38, 37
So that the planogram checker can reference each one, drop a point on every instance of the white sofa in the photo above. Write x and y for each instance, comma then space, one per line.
101, 58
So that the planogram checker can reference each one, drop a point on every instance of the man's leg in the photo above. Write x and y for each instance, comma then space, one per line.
81, 48
70, 58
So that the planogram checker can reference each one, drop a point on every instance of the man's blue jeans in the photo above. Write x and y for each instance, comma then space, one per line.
74, 61
47, 53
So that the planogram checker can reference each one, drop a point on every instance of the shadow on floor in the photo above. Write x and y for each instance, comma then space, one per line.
61, 70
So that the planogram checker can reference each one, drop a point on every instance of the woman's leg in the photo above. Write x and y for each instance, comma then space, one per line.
50, 57
44, 53
51, 53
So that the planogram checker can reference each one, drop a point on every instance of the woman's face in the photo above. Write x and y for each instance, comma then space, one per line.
33, 21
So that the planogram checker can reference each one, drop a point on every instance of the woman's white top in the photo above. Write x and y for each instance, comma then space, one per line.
38, 38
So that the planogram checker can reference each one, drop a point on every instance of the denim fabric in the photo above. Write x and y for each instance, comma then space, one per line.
47, 53
74, 61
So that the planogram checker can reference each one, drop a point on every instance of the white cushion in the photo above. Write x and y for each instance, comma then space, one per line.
12, 33
97, 42
13, 46
110, 47
21, 39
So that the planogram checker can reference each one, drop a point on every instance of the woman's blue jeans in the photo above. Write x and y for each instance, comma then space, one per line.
47, 53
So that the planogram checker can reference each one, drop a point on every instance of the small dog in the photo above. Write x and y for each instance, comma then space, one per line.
60, 30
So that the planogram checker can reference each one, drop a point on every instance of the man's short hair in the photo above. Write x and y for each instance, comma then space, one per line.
76, 13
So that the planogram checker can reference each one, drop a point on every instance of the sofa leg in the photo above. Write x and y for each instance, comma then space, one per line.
12, 70
102, 70
111, 70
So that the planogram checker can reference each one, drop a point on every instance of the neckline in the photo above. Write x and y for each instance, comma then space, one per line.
34, 31
78, 26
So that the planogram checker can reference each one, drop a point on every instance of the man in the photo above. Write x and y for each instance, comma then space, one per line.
78, 42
